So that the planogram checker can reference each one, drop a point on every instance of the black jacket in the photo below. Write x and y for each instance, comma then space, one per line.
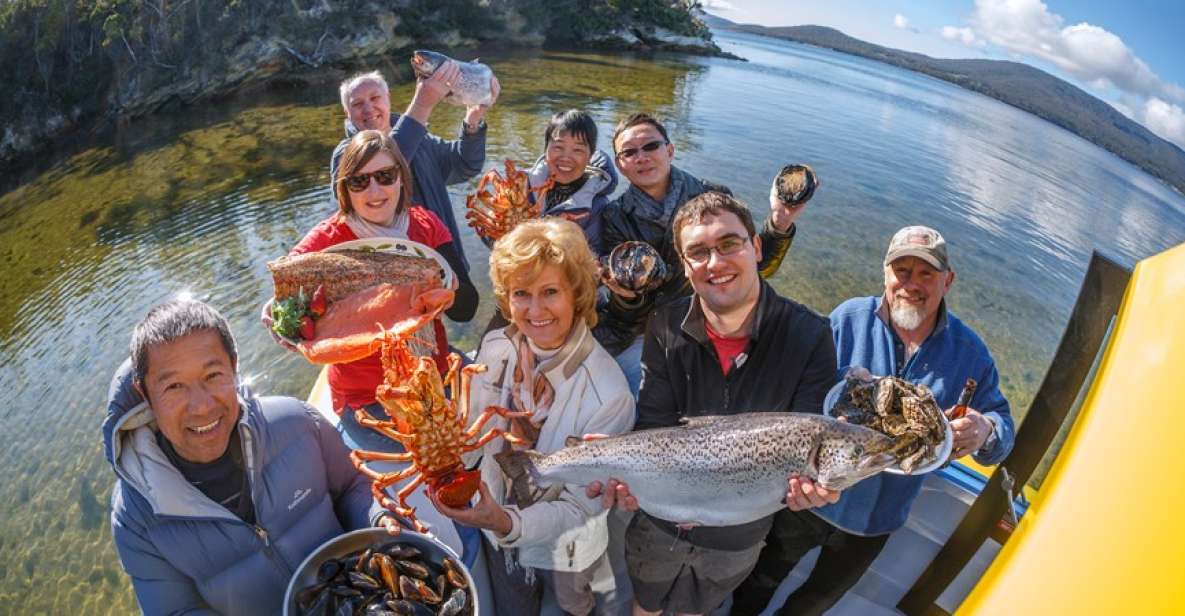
789, 365
621, 321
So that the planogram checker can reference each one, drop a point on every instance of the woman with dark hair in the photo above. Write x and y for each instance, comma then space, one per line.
373, 188
584, 176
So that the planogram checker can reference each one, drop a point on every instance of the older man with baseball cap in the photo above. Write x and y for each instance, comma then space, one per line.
906, 332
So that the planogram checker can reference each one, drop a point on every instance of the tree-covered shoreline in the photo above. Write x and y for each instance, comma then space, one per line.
77, 65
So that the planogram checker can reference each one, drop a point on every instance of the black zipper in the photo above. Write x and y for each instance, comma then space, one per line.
269, 551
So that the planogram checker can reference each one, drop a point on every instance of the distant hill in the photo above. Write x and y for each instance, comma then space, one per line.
1016, 84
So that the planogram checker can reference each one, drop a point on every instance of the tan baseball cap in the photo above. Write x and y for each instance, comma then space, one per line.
921, 242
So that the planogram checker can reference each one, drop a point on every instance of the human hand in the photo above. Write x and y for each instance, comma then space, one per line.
476, 113
782, 214
265, 317
803, 493
432, 89
486, 513
971, 431
391, 523
615, 493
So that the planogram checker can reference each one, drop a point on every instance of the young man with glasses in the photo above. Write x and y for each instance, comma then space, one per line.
644, 212
435, 162
734, 346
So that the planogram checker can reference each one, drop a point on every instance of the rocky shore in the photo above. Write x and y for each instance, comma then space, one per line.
137, 59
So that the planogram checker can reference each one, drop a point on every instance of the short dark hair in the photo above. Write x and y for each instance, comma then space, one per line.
636, 119
711, 203
576, 123
175, 319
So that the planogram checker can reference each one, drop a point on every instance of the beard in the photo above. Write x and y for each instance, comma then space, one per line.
906, 316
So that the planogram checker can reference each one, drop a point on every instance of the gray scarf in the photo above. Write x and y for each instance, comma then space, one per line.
683, 186
365, 229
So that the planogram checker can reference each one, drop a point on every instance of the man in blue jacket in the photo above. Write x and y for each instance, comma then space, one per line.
907, 332
219, 495
435, 162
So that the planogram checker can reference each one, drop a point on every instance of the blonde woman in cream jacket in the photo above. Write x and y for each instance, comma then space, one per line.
546, 362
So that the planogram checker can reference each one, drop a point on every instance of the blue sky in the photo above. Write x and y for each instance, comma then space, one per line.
1130, 54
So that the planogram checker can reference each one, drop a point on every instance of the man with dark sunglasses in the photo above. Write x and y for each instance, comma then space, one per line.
734, 346
435, 162
657, 189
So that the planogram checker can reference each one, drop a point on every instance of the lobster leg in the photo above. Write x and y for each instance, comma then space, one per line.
382, 481
461, 398
407, 511
491, 435
377, 456
487, 414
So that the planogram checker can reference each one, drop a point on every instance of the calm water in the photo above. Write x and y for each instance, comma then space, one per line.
199, 201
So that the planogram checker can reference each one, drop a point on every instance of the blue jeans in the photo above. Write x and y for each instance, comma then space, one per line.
358, 436
630, 361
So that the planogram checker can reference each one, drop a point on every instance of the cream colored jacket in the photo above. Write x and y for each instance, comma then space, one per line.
591, 397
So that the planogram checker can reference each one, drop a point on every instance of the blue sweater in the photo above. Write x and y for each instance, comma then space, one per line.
952, 353
435, 164
187, 554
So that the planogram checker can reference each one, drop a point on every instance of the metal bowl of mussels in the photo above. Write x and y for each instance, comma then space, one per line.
368, 571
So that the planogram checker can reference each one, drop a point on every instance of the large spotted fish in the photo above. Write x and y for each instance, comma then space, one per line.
472, 86
714, 471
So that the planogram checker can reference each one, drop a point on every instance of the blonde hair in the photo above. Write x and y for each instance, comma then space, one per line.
363, 147
533, 245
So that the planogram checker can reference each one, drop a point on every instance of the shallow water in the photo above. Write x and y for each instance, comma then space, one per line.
199, 201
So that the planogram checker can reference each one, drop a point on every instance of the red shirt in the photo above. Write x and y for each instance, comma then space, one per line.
727, 349
354, 383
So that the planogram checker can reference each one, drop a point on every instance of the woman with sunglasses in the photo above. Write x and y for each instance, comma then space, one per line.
373, 188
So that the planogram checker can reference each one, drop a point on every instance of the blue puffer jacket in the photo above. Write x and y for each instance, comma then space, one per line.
187, 554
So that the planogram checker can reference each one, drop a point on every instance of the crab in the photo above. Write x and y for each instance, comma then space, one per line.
433, 428
636, 266
494, 214
900, 409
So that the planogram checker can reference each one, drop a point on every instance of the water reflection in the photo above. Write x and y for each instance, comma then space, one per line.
201, 200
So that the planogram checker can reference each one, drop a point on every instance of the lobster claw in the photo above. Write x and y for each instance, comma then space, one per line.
456, 488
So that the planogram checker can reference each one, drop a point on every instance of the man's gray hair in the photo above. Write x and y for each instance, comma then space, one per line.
350, 84
175, 319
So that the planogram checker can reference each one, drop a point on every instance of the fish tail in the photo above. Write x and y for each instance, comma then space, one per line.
522, 474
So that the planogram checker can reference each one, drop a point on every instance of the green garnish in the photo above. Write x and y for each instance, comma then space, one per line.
286, 315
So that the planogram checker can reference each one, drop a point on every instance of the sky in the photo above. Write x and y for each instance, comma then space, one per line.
1130, 54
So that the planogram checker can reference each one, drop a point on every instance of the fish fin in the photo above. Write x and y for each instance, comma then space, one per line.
700, 420
524, 478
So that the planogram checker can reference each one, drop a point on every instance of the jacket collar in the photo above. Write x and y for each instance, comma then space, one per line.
693, 322
561, 366
140, 462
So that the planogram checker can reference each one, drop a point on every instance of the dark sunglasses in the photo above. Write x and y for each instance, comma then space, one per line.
361, 181
629, 153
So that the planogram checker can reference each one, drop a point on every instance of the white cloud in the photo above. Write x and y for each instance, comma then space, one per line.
1165, 119
718, 5
1093, 55
965, 36
899, 21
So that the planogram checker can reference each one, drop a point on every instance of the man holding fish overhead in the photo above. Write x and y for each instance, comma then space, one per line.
906, 332
435, 162
644, 154
732, 347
